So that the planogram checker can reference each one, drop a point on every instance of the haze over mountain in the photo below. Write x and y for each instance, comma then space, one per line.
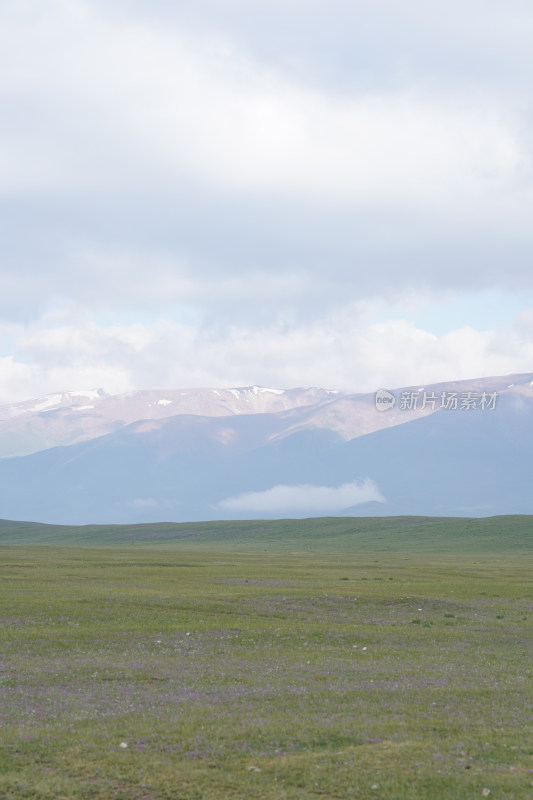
460, 448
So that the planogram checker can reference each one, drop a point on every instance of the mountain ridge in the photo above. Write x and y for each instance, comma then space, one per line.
72, 417
338, 454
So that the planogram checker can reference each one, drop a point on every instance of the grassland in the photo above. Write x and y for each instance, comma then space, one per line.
431, 535
341, 663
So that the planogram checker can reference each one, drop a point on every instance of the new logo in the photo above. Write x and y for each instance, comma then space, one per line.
385, 400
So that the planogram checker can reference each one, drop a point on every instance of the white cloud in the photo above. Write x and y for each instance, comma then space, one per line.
305, 499
127, 101
349, 351
144, 502
244, 197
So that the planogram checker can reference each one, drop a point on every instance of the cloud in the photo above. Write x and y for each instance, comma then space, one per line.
148, 157
352, 351
305, 499
141, 102
213, 194
144, 502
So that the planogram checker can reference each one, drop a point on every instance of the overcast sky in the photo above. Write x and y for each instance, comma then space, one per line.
227, 192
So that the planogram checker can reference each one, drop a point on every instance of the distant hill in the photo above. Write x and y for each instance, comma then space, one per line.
491, 536
214, 454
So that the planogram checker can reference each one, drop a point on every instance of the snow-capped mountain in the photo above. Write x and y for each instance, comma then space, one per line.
69, 417
80, 400
461, 448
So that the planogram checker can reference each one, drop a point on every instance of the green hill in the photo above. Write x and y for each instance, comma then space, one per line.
511, 535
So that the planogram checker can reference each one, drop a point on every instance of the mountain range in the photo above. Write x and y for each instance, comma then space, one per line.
449, 449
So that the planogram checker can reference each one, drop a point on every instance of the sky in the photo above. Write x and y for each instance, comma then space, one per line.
228, 193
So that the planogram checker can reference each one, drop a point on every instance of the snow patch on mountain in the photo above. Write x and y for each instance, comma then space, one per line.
273, 391
259, 389
89, 394
52, 401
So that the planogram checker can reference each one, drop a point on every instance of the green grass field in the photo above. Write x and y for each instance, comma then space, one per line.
296, 659
432, 535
